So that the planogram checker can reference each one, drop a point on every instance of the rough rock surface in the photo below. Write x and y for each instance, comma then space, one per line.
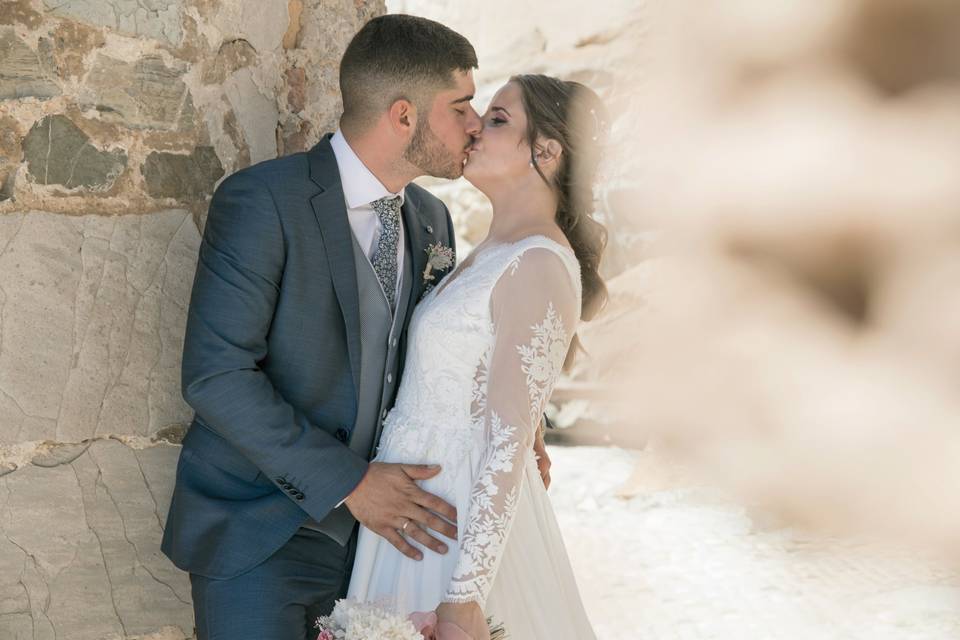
79, 554
247, 80
117, 120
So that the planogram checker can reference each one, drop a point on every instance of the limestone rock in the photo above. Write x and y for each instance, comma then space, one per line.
256, 112
232, 55
296, 94
97, 571
172, 175
21, 72
72, 41
142, 94
59, 152
9, 156
159, 19
93, 312
262, 24
174, 434
20, 12
53, 455
6, 185
294, 9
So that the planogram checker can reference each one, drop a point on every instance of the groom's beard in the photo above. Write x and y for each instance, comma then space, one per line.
427, 153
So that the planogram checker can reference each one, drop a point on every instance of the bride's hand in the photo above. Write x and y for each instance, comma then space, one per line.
543, 459
468, 616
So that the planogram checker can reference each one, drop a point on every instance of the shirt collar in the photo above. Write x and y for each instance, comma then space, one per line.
360, 186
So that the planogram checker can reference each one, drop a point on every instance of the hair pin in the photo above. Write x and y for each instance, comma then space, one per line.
599, 125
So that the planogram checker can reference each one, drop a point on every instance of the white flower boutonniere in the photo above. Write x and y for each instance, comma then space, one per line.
439, 258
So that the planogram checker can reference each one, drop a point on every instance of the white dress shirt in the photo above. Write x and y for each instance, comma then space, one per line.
360, 189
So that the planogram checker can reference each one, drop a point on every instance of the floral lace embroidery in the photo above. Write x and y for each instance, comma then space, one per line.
489, 524
479, 400
542, 360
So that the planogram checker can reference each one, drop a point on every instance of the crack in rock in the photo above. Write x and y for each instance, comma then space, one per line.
103, 555
45, 453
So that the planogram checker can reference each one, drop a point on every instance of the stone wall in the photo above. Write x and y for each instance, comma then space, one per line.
117, 120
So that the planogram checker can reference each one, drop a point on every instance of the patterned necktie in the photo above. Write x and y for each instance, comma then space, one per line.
385, 257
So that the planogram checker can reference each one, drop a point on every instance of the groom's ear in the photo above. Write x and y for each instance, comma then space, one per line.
403, 117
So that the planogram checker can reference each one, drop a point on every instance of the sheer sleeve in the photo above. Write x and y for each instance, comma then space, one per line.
534, 307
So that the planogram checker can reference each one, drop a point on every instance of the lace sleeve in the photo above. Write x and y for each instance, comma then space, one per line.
534, 307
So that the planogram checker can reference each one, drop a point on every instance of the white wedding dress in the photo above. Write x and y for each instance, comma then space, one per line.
485, 348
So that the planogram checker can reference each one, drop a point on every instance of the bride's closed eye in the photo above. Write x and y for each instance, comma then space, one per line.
495, 121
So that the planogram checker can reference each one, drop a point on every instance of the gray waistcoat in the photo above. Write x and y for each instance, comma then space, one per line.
379, 340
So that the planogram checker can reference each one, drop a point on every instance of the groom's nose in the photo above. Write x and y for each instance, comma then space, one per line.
474, 122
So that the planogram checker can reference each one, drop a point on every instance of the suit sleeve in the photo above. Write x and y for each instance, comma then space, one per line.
235, 290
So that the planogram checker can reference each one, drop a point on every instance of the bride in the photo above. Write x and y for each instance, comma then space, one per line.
486, 347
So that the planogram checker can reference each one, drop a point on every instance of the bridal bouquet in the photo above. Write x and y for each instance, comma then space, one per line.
352, 620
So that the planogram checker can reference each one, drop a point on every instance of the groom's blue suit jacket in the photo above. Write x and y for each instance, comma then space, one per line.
271, 360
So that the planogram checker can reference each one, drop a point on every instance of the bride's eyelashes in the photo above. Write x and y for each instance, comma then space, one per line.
496, 122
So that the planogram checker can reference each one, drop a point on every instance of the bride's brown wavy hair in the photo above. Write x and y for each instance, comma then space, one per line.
573, 115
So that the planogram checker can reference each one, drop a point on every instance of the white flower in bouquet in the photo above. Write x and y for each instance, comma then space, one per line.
352, 620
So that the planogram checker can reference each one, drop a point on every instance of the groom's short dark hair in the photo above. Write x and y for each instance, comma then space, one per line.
399, 56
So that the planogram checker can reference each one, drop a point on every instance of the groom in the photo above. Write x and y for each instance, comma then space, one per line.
309, 270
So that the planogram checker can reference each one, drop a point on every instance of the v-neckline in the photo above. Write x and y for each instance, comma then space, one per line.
456, 273
472, 259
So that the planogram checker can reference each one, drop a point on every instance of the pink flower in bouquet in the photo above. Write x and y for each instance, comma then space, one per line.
326, 634
425, 622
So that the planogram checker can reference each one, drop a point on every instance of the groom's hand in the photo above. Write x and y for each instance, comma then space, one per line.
387, 498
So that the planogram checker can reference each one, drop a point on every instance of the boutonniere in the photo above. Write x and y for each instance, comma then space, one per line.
439, 258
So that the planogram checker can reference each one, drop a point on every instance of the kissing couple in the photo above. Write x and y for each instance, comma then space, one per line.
368, 413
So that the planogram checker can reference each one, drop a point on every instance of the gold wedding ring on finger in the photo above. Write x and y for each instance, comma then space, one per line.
403, 529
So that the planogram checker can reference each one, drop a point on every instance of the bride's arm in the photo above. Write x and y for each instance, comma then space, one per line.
535, 308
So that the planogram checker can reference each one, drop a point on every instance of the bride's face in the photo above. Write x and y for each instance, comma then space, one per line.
500, 152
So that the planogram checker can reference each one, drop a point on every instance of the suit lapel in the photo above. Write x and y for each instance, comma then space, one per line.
331, 213
416, 244
416, 229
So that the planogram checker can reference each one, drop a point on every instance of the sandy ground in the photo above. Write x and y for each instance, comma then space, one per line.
675, 562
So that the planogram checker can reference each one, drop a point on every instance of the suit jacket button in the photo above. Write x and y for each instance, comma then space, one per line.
280, 480
299, 496
342, 435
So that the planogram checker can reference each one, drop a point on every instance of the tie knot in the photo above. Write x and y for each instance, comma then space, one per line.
388, 207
